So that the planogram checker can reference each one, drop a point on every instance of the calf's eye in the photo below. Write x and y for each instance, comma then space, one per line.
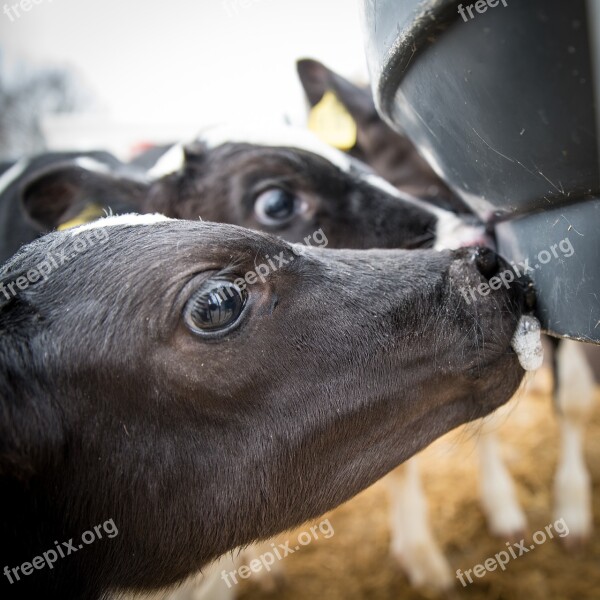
215, 307
275, 206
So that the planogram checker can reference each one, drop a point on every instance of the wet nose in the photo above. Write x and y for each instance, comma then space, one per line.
489, 264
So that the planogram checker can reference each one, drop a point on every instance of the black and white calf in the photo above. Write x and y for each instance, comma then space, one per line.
140, 383
281, 180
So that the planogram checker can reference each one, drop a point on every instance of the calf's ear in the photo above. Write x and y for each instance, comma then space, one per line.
317, 80
71, 192
194, 155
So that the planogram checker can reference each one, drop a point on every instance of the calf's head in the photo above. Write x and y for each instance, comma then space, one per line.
284, 181
144, 380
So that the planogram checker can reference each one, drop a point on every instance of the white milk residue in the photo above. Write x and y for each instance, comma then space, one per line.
527, 343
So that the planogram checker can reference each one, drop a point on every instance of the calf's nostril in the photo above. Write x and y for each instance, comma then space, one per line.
486, 261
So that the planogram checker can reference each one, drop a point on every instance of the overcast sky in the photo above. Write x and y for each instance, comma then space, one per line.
199, 61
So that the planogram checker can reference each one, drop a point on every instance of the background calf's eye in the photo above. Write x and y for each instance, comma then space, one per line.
275, 206
215, 307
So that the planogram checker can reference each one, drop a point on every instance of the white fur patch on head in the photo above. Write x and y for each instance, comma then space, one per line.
381, 183
453, 233
172, 161
274, 135
129, 219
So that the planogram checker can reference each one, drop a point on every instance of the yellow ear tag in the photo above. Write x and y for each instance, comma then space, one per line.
90, 213
332, 123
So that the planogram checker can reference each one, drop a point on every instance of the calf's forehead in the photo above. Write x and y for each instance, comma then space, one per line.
273, 136
178, 242
129, 248
125, 288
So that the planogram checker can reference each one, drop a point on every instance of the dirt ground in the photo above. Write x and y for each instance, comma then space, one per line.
354, 563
